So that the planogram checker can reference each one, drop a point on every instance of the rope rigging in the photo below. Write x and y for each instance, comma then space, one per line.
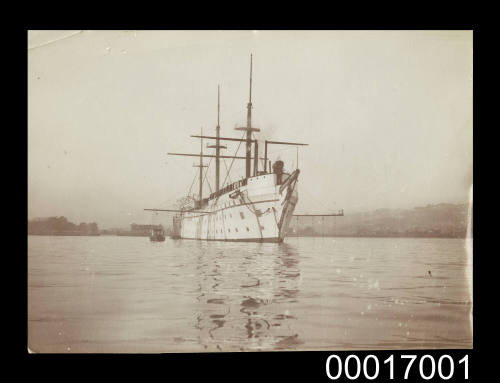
206, 172
227, 170
232, 162
192, 183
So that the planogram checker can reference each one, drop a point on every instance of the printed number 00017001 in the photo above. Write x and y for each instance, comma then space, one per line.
370, 367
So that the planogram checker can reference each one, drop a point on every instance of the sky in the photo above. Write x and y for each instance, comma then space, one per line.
387, 116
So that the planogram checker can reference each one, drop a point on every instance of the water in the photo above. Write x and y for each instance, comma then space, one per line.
127, 294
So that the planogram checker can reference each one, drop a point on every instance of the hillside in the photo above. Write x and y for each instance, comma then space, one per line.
441, 220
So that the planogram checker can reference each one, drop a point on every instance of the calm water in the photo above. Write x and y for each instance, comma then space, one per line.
126, 294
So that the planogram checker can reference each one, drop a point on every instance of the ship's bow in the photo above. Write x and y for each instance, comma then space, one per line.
290, 198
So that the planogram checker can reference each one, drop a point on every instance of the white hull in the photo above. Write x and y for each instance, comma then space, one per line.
257, 212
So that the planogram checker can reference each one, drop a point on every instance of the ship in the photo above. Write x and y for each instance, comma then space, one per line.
257, 207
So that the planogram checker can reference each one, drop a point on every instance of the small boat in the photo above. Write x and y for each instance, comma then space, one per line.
157, 234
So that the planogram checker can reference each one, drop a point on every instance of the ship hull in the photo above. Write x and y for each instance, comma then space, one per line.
259, 211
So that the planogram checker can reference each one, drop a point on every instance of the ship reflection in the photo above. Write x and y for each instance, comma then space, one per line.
246, 297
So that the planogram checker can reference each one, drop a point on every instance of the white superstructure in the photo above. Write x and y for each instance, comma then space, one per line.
254, 209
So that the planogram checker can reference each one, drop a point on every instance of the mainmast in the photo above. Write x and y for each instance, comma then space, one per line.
249, 131
217, 145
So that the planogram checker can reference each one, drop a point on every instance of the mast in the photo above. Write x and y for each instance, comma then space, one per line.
217, 145
201, 166
217, 141
249, 124
249, 128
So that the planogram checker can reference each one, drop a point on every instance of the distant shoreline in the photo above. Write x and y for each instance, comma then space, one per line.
66, 234
382, 235
288, 236
376, 236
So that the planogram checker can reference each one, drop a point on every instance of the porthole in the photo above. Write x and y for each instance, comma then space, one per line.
248, 229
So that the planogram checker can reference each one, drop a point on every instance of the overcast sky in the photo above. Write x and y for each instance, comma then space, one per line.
387, 116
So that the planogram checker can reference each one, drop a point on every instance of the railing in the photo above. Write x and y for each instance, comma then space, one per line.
228, 188
240, 183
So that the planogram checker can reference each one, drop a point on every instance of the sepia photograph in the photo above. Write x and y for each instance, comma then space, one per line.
194, 191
